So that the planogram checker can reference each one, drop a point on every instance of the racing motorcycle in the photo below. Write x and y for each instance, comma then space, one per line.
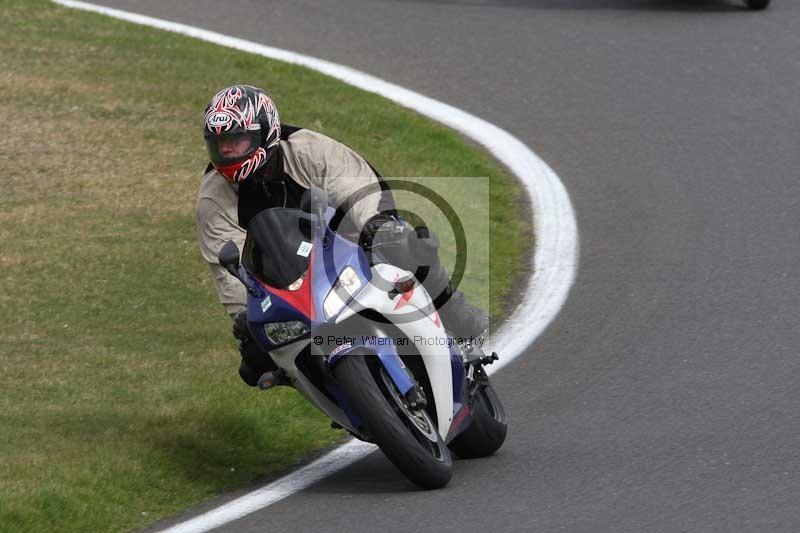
362, 341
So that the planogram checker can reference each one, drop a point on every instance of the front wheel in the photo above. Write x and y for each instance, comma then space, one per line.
757, 4
487, 431
408, 438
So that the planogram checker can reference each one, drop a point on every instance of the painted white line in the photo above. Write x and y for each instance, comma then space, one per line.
339, 458
554, 263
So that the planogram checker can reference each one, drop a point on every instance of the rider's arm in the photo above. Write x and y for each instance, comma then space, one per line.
345, 176
216, 225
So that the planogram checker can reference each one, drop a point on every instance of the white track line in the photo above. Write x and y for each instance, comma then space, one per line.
554, 263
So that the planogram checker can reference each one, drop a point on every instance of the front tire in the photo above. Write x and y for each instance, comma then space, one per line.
487, 431
410, 440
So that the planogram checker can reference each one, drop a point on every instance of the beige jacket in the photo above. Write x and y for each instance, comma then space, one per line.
310, 158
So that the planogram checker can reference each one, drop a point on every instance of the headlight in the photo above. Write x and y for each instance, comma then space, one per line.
296, 284
280, 332
345, 287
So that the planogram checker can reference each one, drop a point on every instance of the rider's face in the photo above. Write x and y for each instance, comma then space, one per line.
233, 147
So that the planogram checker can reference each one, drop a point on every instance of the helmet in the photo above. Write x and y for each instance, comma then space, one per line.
241, 129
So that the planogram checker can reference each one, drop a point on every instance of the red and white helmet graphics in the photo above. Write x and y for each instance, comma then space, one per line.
240, 109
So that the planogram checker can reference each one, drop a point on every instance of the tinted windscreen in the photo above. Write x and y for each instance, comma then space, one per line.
278, 245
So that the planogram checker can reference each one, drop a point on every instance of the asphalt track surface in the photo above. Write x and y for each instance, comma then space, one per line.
665, 396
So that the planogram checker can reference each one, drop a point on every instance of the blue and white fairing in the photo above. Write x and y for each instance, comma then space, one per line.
266, 304
411, 311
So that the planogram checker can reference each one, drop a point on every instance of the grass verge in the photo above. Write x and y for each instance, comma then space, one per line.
120, 402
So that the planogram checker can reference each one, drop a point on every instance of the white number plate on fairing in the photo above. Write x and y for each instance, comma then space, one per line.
305, 249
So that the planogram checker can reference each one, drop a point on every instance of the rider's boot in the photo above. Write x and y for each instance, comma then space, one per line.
273, 379
462, 319
255, 362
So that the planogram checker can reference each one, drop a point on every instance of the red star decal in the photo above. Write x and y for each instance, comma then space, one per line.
404, 299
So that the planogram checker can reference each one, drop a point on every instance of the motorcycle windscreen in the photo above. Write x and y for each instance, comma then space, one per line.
278, 246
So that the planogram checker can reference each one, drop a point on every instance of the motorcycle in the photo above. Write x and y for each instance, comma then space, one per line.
362, 341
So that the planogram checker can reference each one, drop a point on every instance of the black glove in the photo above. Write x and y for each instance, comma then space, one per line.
381, 230
240, 329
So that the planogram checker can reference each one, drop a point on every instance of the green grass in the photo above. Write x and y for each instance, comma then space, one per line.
120, 401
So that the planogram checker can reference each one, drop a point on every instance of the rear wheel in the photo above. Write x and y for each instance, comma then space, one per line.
757, 4
408, 438
487, 431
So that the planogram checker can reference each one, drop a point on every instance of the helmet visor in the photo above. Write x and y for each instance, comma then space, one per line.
232, 147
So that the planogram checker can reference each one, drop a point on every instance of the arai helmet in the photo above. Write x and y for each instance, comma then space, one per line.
241, 129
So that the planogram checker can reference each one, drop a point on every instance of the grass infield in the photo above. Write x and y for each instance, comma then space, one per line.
120, 402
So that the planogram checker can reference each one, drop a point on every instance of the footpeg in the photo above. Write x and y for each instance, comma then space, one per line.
489, 359
271, 379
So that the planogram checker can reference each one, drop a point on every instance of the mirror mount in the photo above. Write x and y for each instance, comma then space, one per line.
228, 257
315, 202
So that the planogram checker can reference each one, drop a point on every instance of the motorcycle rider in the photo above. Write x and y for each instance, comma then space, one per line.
258, 163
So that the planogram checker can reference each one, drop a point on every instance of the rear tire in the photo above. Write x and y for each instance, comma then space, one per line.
425, 460
487, 431
757, 4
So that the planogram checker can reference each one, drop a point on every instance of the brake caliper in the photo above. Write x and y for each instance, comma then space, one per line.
416, 398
